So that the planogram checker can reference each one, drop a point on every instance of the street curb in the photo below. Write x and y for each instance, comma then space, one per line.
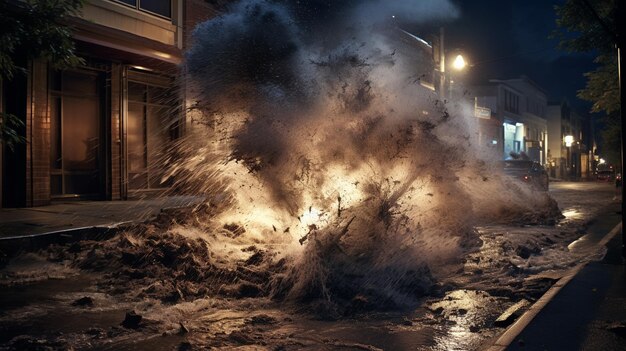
13, 244
68, 231
511, 333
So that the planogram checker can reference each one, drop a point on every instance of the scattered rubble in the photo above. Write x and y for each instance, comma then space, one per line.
83, 301
183, 329
132, 320
30, 343
511, 314
618, 328
167, 266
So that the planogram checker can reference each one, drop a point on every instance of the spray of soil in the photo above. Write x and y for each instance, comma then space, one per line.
320, 141
333, 174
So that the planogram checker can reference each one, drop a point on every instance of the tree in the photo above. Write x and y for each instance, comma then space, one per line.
591, 26
582, 31
33, 29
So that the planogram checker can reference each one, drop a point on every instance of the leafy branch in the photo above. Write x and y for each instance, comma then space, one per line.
589, 26
9, 126
33, 29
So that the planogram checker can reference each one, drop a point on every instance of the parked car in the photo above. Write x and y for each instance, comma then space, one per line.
607, 175
527, 171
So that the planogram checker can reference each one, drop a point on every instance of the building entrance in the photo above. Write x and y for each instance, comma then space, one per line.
152, 125
75, 134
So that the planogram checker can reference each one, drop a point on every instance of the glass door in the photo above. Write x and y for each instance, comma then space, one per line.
75, 129
152, 124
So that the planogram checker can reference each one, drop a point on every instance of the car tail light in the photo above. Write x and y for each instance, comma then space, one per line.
526, 178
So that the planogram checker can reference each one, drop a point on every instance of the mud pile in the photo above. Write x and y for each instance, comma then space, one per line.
152, 261
167, 260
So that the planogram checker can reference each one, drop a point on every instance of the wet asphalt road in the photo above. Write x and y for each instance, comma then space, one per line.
455, 327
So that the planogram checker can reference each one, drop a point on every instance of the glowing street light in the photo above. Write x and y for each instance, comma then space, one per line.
459, 63
569, 140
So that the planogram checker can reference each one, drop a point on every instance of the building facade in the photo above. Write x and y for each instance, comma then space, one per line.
102, 130
514, 114
571, 147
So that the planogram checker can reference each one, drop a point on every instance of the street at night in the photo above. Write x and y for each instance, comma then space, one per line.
513, 263
311, 175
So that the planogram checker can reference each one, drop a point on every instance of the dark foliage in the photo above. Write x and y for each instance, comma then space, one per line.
33, 29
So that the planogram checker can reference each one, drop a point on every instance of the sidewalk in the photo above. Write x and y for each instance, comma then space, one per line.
18, 223
585, 310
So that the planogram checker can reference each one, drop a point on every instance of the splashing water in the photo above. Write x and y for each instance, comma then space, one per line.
314, 136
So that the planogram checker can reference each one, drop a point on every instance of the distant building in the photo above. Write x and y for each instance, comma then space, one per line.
101, 131
569, 156
514, 117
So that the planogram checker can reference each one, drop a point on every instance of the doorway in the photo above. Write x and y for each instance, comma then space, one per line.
152, 125
76, 127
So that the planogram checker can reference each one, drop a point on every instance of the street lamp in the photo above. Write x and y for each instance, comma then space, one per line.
569, 140
458, 68
459, 63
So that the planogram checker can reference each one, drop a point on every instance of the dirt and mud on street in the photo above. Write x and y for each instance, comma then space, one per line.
162, 286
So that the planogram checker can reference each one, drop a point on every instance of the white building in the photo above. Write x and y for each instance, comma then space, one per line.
518, 107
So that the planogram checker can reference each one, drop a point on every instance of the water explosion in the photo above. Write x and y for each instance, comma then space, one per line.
314, 139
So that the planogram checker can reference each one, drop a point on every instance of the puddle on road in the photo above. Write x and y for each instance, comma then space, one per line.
44, 308
572, 214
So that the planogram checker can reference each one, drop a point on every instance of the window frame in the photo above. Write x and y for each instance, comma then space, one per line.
511, 101
138, 7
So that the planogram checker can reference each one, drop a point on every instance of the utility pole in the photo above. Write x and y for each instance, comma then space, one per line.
442, 63
621, 40
439, 58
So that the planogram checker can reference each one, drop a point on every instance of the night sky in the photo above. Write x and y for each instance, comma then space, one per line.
507, 39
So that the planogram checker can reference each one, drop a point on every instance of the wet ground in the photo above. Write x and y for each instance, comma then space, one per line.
50, 303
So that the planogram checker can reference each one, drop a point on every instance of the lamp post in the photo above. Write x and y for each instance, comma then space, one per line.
569, 140
444, 70
458, 67
621, 14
